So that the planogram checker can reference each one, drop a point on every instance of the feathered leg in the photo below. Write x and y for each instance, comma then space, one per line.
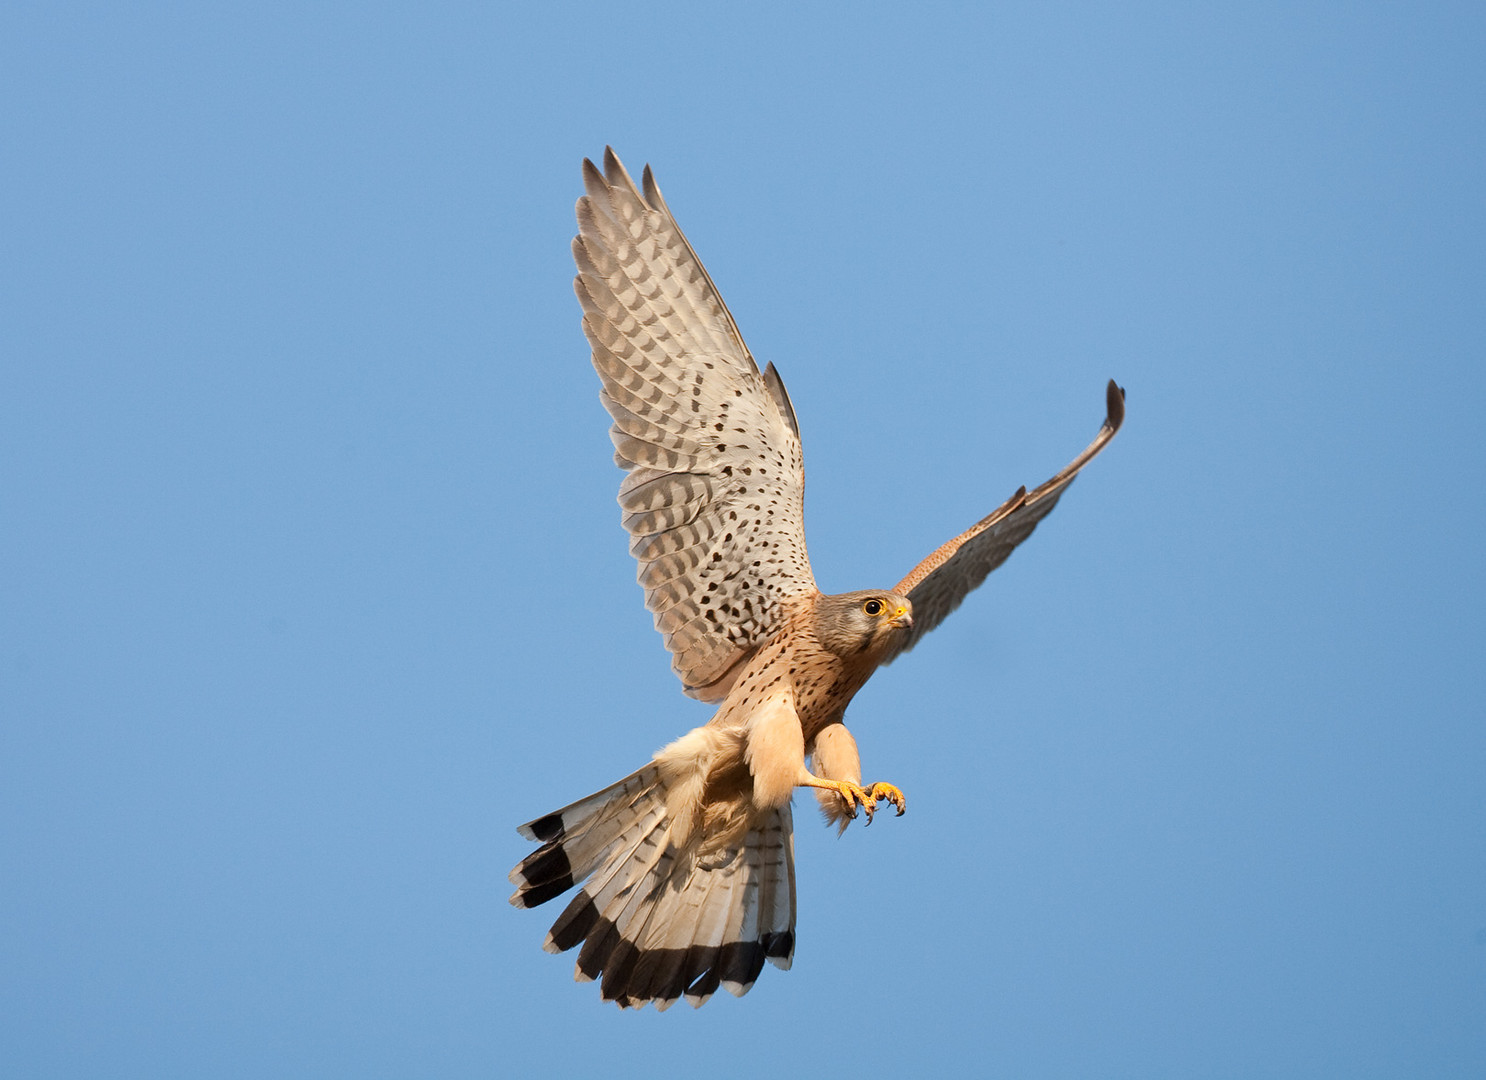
838, 779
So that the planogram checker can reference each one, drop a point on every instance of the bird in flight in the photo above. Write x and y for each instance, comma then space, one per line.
687, 864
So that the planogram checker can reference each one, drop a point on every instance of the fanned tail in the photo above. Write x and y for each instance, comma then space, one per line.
656, 920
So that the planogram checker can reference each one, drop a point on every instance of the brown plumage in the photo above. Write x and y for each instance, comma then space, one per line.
687, 864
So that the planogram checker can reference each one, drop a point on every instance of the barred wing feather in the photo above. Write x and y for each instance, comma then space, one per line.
714, 499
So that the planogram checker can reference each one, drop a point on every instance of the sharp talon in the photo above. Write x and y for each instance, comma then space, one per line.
882, 792
868, 797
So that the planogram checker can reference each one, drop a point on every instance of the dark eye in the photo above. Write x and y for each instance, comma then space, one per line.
873, 607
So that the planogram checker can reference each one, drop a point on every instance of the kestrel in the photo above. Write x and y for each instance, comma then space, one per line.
688, 863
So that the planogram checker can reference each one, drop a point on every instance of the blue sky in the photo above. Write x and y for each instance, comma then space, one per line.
312, 584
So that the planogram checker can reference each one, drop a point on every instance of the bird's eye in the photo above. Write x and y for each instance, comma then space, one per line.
873, 607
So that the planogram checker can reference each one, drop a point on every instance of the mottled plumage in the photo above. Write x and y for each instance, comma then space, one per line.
687, 865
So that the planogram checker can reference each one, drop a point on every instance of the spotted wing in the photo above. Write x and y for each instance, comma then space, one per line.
941, 582
714, 499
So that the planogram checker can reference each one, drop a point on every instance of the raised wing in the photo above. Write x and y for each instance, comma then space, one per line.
941, 582
714, 499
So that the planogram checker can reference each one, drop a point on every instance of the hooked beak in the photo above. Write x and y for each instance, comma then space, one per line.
901, 620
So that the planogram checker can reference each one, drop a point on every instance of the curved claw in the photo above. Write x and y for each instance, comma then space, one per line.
856, 795
867, 797
879, 791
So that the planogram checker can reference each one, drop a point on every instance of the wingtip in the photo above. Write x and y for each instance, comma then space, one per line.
617, 174
652, 190
1114, 405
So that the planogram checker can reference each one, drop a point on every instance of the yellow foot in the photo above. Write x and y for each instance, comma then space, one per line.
890, 792
868, 797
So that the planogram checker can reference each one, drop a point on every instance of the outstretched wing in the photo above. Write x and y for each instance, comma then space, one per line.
714, 499
941, 582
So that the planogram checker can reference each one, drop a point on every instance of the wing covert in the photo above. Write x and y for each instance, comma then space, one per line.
941, 582
714, 499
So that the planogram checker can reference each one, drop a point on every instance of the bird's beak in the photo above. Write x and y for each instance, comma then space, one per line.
901, 620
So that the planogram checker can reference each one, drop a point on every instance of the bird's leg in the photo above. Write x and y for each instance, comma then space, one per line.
838, 769
855, 793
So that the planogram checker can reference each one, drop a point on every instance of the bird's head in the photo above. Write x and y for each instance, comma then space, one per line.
862, 622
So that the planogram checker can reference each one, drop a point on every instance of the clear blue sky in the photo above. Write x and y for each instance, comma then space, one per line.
312, 584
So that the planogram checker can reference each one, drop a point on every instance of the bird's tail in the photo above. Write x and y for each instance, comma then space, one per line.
663, 912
